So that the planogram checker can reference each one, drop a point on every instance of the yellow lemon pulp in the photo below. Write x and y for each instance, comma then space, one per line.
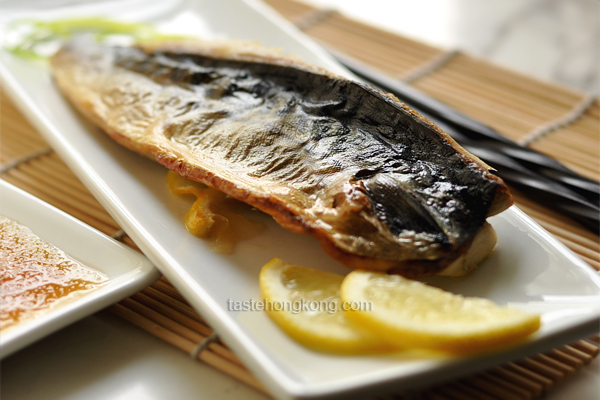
414, 315
306, 304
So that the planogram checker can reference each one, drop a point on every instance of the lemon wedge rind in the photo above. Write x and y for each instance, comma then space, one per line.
283, 284
412, 314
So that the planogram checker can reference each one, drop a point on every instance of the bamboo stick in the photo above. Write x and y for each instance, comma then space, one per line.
579, 133
581, 250
479, 69
156, 329
167, 289
33, 189
484, 70
21, 138
518, 391
594, 111
535, 388
54, 161
188, 346
558, 362
543, 214
291, 9
582, 143
482, 108
60, 197
77, 195
299, 6
54, 166
172, 313
455, 74
551, 362
187, 322
571, 236
366, 51
508, 378
565, 358
387, 62
512, 127
12, 131
521, 104
579, 130
436, 396
180, 320
442, 80
588, 173
474, 391
480, 381
587, 347
174, 303
545, 92
58, 163
550, 222
162, 320
517, 87
586, 125
575, 352
389, 39
351, 26
569, 160
550, 147
528, 373
344, 27
15, 149
128, 241
541, 368
511, 103
462, 392
13, 120
594, 264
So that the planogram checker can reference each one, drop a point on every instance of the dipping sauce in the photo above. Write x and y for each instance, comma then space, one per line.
36, 276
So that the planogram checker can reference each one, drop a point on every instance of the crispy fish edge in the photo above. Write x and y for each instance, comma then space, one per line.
457, 263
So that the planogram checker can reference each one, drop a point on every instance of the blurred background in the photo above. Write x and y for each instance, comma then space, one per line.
553, 40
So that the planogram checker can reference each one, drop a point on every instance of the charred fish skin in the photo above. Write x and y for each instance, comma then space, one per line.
378, 185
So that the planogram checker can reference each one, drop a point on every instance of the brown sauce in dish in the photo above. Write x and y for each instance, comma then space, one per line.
214, 216
35, 276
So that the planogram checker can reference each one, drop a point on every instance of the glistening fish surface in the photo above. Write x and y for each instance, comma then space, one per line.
378, 185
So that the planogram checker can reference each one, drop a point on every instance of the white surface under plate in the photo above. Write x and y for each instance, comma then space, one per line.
529, 269
127, 270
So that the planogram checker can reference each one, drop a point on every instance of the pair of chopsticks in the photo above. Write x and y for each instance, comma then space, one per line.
538, 176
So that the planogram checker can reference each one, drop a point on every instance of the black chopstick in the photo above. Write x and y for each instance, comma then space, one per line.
536, 175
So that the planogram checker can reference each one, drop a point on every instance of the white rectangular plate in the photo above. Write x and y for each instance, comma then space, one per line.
127, 270
529, 269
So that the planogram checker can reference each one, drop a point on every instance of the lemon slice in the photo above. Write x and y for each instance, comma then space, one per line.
305, 303
412, 314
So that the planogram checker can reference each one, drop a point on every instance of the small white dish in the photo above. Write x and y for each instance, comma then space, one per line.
529, 269
127, 270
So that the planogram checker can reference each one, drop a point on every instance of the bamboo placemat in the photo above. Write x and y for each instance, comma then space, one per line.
518, 106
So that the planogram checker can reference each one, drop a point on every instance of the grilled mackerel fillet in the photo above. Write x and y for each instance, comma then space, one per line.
378, 185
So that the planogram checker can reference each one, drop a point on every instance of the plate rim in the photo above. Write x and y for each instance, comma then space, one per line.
136, 275
278, 382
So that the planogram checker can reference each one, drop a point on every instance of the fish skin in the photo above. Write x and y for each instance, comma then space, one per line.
379, 186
